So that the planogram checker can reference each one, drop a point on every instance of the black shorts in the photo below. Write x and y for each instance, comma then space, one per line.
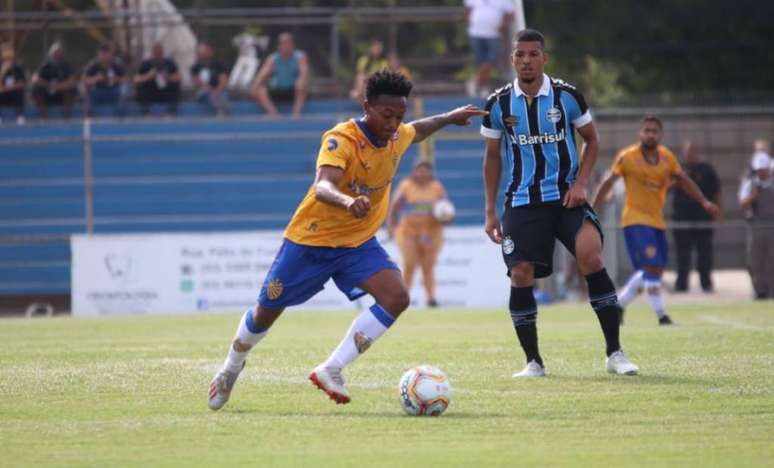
282, 94
529, 233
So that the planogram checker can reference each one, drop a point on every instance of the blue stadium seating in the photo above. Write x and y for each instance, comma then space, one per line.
186, 174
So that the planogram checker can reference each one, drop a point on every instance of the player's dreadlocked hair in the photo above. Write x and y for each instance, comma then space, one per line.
386, 82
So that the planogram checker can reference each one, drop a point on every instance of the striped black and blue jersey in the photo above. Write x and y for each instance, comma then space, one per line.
539, 139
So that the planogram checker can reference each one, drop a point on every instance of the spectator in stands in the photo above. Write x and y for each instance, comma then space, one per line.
105, 81
487, 21
757, 195
12, 82
418, 234
157, 81
393, 63
54, 83
368, 64
284, 77
686, 210
210, 78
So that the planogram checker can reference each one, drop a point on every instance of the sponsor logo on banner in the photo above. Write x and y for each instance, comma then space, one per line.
214, 272
119, 266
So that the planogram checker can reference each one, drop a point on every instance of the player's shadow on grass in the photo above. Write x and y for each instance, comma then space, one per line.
343, 413
642, 379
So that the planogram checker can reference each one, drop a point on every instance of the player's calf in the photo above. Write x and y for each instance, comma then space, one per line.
604, 301
248, 334
367, 327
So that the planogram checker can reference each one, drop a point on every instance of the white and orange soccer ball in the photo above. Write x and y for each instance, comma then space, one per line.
444, 211
425, 391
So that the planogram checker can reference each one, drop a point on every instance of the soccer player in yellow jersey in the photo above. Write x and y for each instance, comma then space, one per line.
331, 234
648, 170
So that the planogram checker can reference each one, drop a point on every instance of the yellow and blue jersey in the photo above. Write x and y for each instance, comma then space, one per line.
539, 138
646, 184
369, 169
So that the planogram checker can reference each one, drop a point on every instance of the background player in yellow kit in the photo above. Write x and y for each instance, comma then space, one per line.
648, 169
331, 234
418, 234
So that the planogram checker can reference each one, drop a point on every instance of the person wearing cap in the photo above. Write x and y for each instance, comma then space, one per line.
54, 82
756, 195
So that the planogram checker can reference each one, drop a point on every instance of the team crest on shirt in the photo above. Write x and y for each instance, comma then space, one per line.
274, 289
650, 251
511, 121
332, 144
508, 246
362, 342
554, 115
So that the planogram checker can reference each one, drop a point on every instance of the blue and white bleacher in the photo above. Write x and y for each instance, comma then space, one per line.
184, 174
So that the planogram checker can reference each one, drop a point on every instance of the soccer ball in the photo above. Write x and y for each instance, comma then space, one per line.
424, 391
443, 211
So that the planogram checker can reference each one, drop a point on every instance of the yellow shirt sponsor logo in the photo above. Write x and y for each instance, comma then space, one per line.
368, 170
646, 185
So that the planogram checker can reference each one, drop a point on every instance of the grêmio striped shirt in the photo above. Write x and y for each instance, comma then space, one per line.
539, 139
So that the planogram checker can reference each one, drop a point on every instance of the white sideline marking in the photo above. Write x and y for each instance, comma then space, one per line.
729, 323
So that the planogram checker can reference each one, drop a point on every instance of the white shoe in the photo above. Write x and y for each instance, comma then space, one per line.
221, 386
532, 369
330, 381
618, 363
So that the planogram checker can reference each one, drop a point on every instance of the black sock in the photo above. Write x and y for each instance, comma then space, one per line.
524, 316
604, 301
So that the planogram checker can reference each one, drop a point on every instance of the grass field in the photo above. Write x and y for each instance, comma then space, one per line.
132, 391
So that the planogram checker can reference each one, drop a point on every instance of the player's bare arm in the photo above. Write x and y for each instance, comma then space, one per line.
577, 194
604, 190
493, 167
459, 116
688, 186
326, 189
392, 216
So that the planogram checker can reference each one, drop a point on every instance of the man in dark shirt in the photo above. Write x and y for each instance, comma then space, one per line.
686, 210
12, 82
105, 81
54, 83
157, 81
210, 78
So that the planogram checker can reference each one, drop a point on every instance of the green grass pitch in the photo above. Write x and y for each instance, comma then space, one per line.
132, 391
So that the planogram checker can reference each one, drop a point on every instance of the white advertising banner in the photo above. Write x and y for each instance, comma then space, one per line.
182, 273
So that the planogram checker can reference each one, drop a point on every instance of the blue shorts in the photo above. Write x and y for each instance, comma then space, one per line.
647, 246
485, 49
301, 271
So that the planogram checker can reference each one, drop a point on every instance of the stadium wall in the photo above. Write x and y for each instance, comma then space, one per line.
201, 175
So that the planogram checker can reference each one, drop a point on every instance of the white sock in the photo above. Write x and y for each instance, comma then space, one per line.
655, 297
365, 329
632, 289
247, 336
